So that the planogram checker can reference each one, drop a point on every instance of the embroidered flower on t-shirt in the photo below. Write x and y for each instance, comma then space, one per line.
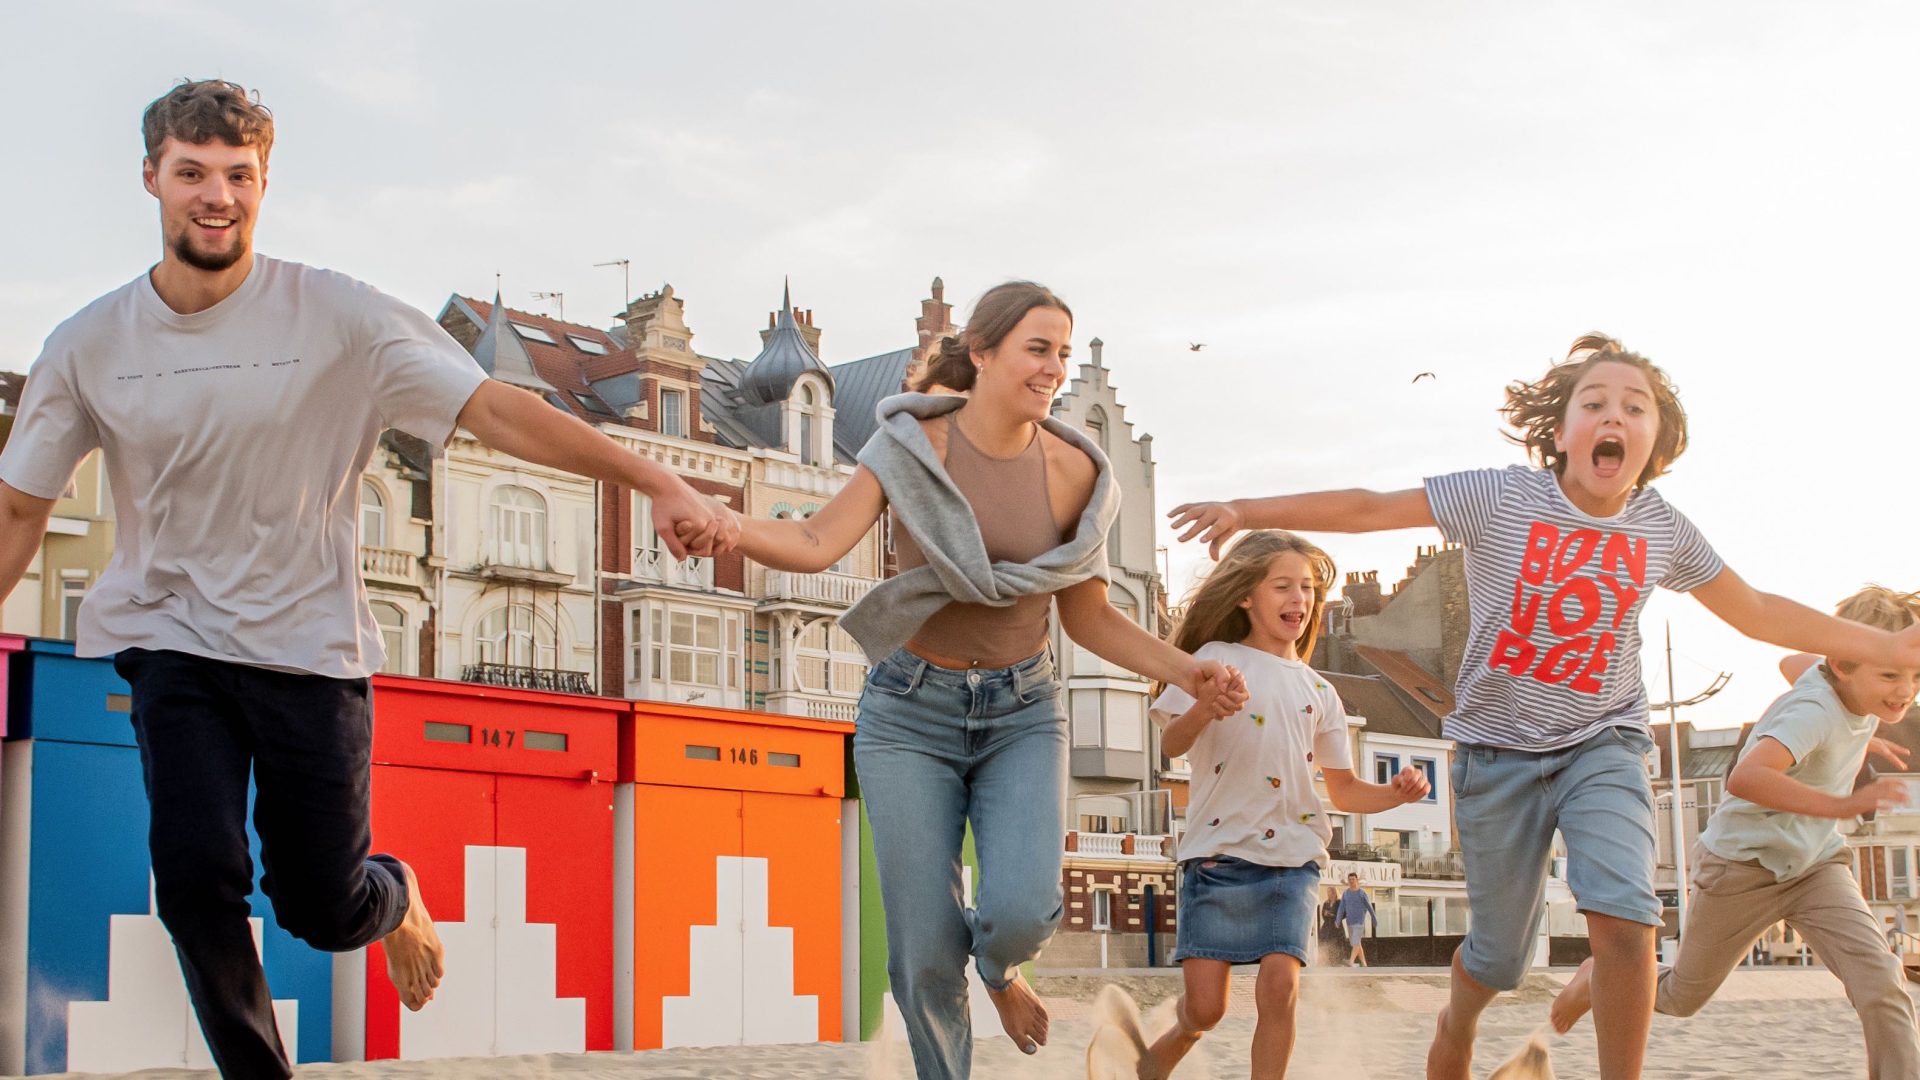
1309, 757
1259, 719
1274, 781
1269, 834
1216, 770
1214, 822
1308, 709
1308, 817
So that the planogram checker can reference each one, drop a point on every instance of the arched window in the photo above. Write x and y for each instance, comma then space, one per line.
373, 515
515, 635
808, 454
519, 528
812, 656
393, 634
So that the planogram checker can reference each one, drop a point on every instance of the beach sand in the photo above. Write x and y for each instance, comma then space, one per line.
1353, 1024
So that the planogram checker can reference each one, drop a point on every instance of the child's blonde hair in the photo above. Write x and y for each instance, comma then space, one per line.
1213, 611
1879, 607
1538, 409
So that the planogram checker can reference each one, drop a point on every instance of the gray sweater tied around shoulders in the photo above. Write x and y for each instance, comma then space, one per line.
942, 523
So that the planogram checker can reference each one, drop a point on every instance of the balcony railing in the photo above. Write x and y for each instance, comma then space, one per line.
661, 568
833, 710
1120, 845
830, 589
389, 566
529, 678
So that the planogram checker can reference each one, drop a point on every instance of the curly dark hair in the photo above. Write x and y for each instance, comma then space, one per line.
200, 112
1537, 409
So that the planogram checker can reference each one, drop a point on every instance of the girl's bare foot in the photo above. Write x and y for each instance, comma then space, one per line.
1022, 1015
1575, 1000
1451, 1055
415, 958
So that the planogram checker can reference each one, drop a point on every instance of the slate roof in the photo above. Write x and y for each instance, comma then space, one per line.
1373, 697
858, 388
1421, 687
562, 372
769, 377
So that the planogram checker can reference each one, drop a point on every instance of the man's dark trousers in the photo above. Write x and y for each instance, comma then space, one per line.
202, 726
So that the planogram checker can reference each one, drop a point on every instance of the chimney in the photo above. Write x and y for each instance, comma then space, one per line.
1363, 590
1094, 347
934, 323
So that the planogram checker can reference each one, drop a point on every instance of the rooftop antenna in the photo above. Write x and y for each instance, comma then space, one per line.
559, 303
626, 284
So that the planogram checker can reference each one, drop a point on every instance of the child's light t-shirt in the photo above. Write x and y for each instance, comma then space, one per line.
1554, 595
1253, 795
1828, 744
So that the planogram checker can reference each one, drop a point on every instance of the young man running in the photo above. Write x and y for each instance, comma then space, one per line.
237, 399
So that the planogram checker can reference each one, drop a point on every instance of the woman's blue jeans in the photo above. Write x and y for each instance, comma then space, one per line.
936, 748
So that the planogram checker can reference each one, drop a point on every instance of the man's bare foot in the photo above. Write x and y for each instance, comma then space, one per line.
1022, 1015
415, 958
1575, 1000
1451, 1055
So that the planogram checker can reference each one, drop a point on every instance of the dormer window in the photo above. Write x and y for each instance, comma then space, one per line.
673, 413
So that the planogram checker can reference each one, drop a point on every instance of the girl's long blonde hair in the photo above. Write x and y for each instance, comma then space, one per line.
1213, 611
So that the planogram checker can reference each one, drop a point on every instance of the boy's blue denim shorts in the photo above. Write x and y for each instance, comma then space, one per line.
1507, 804
1239, 912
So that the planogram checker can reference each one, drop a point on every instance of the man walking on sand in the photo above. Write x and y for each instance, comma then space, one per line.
1354, 910
237, 398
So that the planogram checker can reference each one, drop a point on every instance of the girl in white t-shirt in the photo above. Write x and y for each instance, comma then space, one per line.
1257, 832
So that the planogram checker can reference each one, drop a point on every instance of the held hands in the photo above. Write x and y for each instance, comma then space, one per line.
1216, 688
1410, 785
1885, 793
1213, 523
698, 527
1888, 751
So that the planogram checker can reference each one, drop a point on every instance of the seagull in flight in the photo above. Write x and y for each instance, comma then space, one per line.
1196, 346
1425, 375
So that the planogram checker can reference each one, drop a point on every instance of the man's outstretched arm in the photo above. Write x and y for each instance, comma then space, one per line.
516, 422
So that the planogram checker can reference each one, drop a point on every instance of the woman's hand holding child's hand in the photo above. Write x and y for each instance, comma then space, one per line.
1410, 785
1216, 686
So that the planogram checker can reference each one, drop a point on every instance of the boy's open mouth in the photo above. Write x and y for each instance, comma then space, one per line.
1609, 456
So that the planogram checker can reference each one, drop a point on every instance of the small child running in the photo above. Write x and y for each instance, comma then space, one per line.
1551, 715
1773, 851
1257, 834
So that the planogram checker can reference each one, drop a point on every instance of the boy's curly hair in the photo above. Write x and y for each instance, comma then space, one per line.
1537, 409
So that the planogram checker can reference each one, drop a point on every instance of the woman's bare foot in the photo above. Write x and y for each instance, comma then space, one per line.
1451, 1055
1575, 1000
1022, 1015
415, 958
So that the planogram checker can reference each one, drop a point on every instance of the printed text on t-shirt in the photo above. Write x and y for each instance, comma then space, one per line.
1561, 583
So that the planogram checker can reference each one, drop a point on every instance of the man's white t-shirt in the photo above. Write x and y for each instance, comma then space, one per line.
1253, 796
234, 440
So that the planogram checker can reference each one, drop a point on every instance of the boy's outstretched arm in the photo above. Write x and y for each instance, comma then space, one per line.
1761, 778
1791, 625
1350, 511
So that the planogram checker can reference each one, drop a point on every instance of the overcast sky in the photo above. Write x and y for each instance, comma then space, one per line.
1333, 197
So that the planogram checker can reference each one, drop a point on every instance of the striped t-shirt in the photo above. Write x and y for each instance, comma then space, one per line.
1554, 594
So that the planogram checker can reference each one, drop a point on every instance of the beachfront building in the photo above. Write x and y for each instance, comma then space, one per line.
75, 550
